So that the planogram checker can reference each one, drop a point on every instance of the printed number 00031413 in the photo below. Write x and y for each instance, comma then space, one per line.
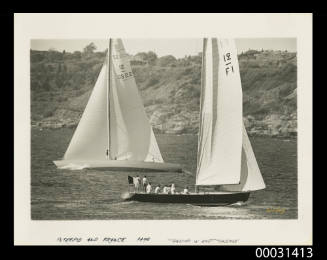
284, 252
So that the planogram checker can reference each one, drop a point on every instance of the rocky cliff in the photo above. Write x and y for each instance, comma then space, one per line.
61, 84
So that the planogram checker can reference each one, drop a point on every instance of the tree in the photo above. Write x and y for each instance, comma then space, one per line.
141, 56
65, 69
59, 68
77, 55
166, 60
54, 55
89, 49
37, 56
151, 57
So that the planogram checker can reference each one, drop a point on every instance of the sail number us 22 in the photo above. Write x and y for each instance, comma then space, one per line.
283, 252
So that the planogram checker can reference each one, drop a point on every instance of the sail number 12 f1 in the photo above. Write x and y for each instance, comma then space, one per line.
283, 252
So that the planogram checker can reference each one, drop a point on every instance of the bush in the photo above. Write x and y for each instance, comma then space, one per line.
37, 56
167, 60
187, 71
152, 81
176, 81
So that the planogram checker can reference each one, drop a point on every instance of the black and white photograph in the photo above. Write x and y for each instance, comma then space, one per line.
163, 128
141, 136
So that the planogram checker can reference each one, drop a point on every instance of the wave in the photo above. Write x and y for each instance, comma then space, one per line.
72, 166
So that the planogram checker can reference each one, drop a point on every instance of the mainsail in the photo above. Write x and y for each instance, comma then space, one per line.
220, 143
114, 125
225, 155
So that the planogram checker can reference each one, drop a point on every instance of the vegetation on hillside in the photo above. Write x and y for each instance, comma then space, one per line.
61, 83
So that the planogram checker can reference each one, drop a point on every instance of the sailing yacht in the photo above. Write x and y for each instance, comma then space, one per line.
114, 131
225, 158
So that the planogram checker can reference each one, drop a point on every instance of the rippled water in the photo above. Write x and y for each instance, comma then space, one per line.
95, 194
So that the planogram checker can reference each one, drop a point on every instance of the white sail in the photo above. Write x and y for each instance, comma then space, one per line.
133, 137
220, 141
214, 94
130, 136
90, 139
251, 178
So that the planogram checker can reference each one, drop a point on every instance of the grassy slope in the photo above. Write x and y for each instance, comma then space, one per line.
62, 82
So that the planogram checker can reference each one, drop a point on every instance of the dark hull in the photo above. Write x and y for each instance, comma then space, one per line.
205, 199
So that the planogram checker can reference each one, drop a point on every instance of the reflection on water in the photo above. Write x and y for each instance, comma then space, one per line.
96, 194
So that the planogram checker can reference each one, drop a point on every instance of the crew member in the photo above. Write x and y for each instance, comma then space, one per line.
185, 191
172, 189
137, 182
148, 188
157, 189
144, 183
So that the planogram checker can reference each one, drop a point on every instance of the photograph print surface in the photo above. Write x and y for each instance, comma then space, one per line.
210, 126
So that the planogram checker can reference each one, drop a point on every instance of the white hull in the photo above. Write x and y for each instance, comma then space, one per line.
118, 165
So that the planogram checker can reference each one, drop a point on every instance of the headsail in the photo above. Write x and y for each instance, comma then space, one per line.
251, 178
90, 139
220, 141
130, 135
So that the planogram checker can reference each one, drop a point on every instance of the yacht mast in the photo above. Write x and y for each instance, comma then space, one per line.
108, 99
204, 42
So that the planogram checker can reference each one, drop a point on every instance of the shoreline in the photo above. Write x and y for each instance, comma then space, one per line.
258, 134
